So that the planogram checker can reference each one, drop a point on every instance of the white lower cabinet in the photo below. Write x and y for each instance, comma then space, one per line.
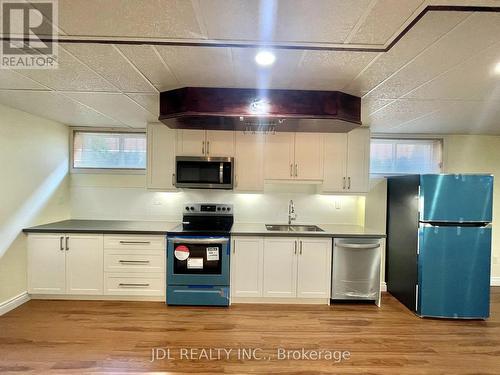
281, 267
247, 266
65, 264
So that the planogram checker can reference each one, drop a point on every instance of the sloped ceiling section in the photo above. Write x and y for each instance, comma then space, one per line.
439, 77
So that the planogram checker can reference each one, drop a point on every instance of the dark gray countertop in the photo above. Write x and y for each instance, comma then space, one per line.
105, 227
162, 227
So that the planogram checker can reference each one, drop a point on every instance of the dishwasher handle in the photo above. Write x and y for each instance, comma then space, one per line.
358, 245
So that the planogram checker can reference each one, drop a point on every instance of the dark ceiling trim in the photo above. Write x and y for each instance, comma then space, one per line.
347, 48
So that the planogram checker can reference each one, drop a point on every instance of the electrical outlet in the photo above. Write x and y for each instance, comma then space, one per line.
337, 204
157, 203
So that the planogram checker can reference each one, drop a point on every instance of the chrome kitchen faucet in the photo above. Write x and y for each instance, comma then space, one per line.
291, 212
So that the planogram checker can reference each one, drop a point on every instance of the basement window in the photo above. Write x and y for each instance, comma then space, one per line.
391, 156
95, 151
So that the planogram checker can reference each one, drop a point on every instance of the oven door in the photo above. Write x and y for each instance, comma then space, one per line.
198, 260
204, 173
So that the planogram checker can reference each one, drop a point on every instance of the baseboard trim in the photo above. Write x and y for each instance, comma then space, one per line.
13, 303
383, 286
495, 281
84, 297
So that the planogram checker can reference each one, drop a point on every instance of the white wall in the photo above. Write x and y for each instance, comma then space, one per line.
34, 187
125, 198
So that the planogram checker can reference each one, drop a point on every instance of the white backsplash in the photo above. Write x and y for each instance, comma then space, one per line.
93, 199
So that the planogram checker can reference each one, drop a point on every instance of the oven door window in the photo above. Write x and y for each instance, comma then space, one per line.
199, 172
202, 259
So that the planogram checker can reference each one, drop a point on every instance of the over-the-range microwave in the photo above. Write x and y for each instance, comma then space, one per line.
204, 172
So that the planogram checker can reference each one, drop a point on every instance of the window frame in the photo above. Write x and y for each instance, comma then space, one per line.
409, 137
131, 171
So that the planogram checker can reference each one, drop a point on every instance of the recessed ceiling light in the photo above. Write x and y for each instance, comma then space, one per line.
265, 58
497, 68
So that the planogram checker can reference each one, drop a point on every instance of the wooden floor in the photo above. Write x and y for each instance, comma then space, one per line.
94, 337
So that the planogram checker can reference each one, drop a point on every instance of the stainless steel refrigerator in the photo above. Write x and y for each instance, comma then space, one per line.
439, 244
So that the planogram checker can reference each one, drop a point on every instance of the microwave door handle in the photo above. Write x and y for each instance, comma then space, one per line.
221, 173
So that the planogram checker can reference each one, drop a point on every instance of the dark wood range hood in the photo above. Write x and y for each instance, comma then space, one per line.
252, 109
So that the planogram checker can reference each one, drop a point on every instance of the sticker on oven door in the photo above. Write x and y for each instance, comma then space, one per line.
195, 263
212, 253
181, 252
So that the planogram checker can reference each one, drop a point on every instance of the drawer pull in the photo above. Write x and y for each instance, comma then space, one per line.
135, 242
134, 261
126, 285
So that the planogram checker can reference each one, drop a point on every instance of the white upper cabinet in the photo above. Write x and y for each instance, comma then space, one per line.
309, 156
247, 266
205, 143
84, 264
294, 156
249, 162
278, 156
161, 157
219, 143
358, 160
347, 162
191, 142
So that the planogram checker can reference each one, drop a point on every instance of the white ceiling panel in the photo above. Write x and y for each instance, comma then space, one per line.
13, 80
201, 66
281, 75
384, 20
150, 102
476, 33
107, 61
117, 106
323, 70
126, 18
151, 65
54, 106
70, 75
428, 30
320, 21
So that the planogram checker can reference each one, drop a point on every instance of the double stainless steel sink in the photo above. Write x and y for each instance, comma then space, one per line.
293, 228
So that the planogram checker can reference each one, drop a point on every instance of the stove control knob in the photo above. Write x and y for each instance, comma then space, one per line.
187, 208
223, 208
218, 208
192, 208
229, 208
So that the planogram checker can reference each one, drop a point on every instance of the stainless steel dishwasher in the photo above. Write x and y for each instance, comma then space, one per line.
356, 269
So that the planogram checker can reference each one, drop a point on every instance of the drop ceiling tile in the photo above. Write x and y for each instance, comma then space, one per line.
70, 75
53, 106
331, 70
118, 106
12, 80
150, 102
384, 20
110, 64
201, 66
280, 75
233, 19
320, 21
125, 18
476, 33
428, 30
150, 64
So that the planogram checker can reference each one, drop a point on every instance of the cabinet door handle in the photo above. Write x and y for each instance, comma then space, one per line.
235, 180
291, 170
134, 261
135, 242
67, 243
296, 170
295, 247
343, 183
61, 243
203, 147
300, 252
173, 179
234, 246
349, 183
208, 147
130, 285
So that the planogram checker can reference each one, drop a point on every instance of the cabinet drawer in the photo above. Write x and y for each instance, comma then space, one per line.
135, 242
134, 284
134, 261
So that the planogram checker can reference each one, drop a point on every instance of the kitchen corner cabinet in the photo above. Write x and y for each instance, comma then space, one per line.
293, 156
346, 162
247, 266
297, 267
65, 264
249, 162
161, 157
205, 143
